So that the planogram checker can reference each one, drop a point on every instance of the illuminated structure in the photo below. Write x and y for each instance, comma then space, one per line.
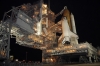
34, 26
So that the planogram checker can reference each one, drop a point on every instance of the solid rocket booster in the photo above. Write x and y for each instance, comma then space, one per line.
73, 23
74, 27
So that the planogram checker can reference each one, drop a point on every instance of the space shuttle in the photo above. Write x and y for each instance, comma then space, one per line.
68, 28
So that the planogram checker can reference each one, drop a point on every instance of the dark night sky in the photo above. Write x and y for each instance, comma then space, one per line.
87, 18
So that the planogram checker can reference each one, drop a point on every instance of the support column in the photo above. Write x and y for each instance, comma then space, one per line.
5, 39
90, 55
43, 56
94, 58
90, 60
43, 59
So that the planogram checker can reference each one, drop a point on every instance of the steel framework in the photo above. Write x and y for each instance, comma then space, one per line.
34, 26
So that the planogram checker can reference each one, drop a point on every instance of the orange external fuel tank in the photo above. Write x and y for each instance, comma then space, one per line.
67, 14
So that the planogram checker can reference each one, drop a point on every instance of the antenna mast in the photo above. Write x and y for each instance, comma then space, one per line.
49, 4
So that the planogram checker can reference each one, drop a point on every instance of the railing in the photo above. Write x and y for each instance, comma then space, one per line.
39, 64
20, 64
36, 64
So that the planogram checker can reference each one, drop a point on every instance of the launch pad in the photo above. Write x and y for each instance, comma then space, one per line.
34, 26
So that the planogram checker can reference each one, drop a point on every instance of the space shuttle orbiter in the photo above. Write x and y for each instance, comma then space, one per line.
67, 33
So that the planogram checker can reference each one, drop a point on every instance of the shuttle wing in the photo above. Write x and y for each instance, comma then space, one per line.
73, 34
